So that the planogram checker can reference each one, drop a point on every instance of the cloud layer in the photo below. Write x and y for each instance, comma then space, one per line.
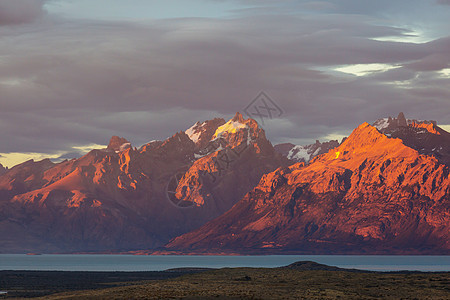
65, 83
20, 11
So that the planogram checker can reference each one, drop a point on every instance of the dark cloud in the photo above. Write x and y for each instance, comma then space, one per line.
64, 84
443, 2
434, 62
20, 11
346, 7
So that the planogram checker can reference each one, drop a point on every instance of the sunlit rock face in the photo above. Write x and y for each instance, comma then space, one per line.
374, 194
122, 198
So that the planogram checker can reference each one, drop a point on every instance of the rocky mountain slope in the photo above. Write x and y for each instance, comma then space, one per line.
123, 198
2, 169
382, 191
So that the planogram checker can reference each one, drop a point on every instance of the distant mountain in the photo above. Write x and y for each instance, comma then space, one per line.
221, 187
123, 198
384, 190
306, 153
423, 136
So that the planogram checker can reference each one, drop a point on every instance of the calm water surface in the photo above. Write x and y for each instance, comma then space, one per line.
159, 263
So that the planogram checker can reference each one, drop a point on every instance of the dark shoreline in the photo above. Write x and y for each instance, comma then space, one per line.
225, 282
42, 283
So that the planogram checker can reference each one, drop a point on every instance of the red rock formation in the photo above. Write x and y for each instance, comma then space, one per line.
118, 144
430, 127
372, 194
117, 198
24, 177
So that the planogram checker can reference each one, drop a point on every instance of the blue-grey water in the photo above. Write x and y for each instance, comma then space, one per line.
159, 263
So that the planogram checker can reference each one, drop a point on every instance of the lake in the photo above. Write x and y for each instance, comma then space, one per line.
159, 263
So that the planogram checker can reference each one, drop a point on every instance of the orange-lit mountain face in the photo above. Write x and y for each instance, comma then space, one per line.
123, 198
382, 191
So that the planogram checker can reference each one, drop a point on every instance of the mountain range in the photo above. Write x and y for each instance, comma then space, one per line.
123, 198
221, 187
384, 190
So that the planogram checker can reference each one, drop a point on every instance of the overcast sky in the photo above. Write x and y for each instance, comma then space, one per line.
75, 72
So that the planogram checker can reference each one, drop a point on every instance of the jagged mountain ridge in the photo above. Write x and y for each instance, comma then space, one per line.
383, 192
117, 198
201, 133
426, 137
299, 153
373, 194
236, 143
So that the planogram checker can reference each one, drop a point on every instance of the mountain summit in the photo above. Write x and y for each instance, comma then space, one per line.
201, 132
238, 118
118, 144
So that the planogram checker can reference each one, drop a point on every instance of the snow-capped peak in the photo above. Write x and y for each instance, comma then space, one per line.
305, 153
195, 131
381, 123
388, 125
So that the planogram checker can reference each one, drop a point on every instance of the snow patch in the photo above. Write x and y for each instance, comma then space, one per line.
249, 138
197, 156
229, 127
299, 153
305, 153
381, 124
124, 147
195, 131
316, 152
